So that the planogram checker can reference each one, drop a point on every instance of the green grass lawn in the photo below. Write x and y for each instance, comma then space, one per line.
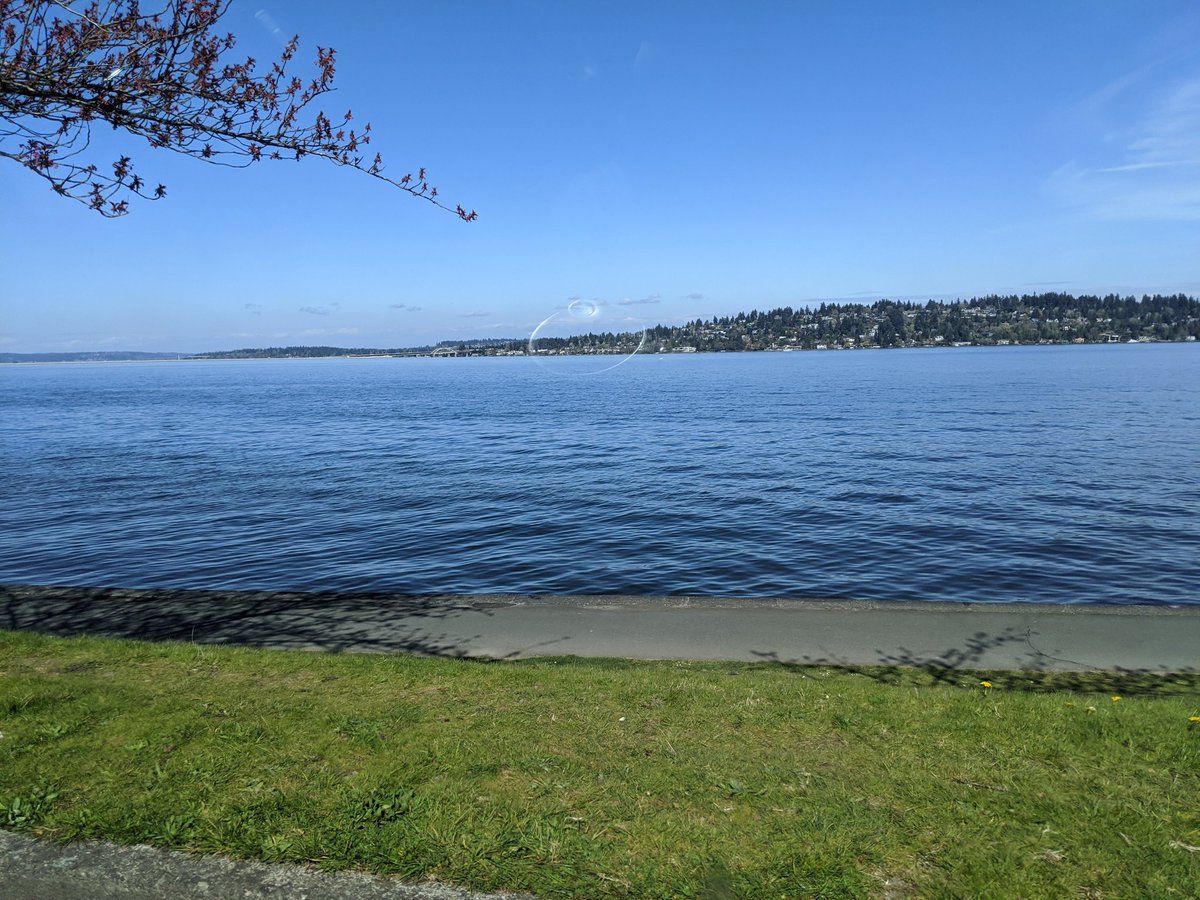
569, 777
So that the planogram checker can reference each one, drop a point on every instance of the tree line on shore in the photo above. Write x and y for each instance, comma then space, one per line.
994, 320
1051, 318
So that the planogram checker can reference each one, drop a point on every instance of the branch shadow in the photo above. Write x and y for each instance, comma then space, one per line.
332, 622
1039, 672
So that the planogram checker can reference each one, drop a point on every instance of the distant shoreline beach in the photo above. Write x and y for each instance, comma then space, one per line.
484, 354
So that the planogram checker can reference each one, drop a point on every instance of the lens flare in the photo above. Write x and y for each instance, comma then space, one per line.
586, 337
584, 309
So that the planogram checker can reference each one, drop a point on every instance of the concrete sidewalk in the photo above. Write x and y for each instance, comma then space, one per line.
95, 870
942, 635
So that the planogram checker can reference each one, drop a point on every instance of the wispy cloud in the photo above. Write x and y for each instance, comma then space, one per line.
320, 310
694, 297
404, 307
1154, 172
474, 315
1137, 167
653, 298
1098, 103
270, 26
646, 53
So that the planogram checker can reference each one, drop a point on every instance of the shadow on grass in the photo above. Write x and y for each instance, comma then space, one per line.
959, 666
368, 622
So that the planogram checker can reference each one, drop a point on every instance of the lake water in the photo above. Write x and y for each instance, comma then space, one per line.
1043, 474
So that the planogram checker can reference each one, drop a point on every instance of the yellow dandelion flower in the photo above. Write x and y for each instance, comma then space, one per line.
1194, 718
986, 683
1115, 699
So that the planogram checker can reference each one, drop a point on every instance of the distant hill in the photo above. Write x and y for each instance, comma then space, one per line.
295, 352
994, 320
88, 356
476, 345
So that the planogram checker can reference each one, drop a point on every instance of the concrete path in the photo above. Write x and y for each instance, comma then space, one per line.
943, 635
93, 870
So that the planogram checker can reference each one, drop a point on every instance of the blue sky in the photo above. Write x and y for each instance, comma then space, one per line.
662, 161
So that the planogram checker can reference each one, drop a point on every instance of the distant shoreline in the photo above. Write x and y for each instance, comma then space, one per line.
472, 353
993, 321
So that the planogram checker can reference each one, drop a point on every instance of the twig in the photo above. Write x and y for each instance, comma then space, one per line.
988, 787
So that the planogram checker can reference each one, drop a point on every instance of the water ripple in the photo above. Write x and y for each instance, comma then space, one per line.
935, 475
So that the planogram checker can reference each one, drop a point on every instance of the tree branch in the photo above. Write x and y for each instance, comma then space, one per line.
164, 77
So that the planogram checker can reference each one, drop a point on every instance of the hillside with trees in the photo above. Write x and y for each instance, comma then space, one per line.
986, 321
1051, 318
978, 322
